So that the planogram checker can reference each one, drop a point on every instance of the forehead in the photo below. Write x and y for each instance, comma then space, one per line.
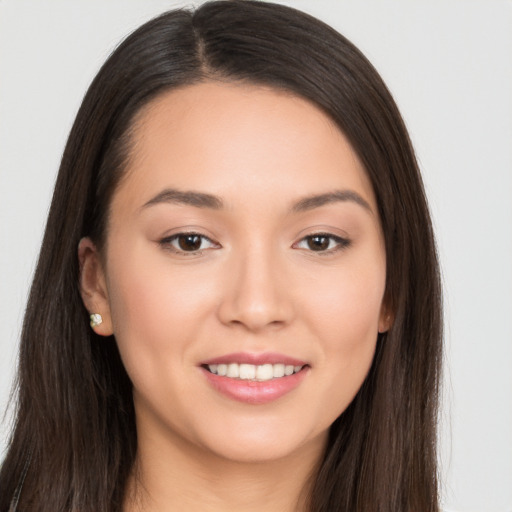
213, 134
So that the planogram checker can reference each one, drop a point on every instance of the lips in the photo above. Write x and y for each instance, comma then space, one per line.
256, 359
254, 378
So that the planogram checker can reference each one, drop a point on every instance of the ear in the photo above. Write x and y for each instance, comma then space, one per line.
386, 319
93, 287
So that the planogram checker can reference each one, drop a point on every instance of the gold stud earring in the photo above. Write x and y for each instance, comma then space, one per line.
96, 319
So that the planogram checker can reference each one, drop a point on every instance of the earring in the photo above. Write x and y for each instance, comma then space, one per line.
96, 320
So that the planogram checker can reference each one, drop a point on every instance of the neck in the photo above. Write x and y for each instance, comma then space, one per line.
175, 475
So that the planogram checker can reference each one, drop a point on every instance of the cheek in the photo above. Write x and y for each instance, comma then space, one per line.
347, 306
348, 330
141, 312
156, 311
345, 319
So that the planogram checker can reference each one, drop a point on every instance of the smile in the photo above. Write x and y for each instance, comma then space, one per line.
255, 379
259, 373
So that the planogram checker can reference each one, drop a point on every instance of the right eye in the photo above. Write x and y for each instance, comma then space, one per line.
188, 243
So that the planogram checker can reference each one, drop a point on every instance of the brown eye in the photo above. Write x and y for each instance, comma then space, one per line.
189, 242
322, 243
318, 242
182, 243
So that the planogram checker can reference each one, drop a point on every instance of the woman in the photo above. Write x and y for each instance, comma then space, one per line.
253, 316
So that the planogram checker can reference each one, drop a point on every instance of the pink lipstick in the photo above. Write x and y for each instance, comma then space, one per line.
254, 378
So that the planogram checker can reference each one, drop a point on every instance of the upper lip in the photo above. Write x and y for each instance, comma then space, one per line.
255, 359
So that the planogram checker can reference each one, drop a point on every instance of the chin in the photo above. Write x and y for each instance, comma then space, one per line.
263, 442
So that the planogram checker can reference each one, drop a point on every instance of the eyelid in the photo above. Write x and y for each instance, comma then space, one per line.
166, 242
341, 243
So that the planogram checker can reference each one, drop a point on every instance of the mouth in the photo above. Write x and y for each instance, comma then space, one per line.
253, 372
255, 378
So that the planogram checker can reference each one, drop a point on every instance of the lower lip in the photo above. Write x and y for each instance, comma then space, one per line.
254, 392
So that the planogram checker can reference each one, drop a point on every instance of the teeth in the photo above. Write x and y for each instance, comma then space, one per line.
278, 370
233, 371
264, 372
260, 372
247, 371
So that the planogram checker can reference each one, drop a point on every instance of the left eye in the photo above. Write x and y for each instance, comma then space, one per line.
322, 242
188, 242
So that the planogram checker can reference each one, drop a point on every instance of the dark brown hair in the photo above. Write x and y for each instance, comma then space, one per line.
74, 441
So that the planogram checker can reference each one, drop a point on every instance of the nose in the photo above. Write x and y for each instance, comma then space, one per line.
256, 293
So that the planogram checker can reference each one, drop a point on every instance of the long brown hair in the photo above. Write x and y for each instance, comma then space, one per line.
74, 441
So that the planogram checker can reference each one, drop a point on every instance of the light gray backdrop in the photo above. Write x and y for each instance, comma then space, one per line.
449, 65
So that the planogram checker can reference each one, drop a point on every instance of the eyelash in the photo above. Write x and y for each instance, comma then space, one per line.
339, 243
168, 243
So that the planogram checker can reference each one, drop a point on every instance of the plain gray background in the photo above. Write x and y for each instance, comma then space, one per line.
449, 66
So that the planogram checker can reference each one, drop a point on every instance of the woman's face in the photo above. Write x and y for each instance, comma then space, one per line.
244, 239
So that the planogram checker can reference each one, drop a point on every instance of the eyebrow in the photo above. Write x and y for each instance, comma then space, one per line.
197, 199
202, 200
316, 201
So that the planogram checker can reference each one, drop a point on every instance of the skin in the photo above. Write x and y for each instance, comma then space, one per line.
254, 286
